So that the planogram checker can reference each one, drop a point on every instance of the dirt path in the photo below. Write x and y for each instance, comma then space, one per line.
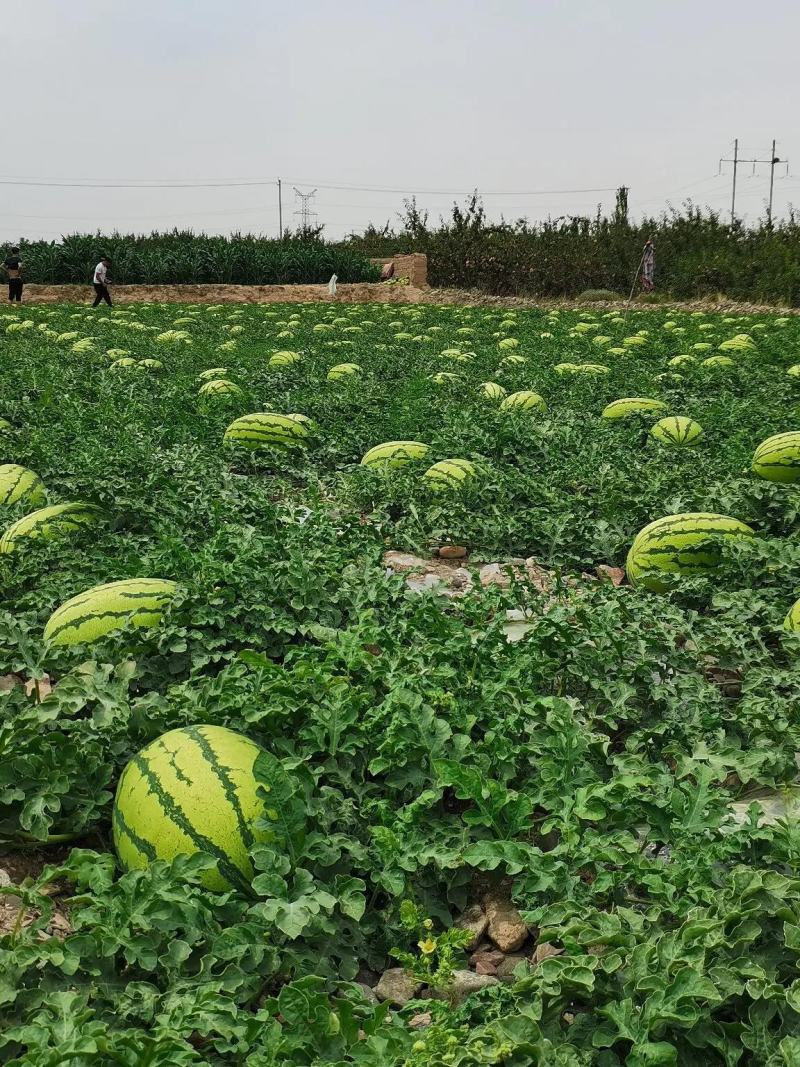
366, 292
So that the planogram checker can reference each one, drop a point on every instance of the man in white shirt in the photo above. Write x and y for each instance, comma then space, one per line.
100, 282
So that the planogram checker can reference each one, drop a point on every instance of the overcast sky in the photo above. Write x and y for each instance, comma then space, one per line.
434, 96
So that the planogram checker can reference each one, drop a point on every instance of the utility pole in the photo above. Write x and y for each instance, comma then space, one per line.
305, 212
280, 212
736, 161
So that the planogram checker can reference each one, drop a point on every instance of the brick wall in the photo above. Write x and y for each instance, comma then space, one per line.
413, 266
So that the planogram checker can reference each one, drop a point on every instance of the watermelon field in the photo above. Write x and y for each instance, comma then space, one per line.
399, 685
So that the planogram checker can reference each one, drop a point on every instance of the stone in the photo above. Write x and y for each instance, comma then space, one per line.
517, 624
464, 983
615, 575
368, 991
452, 552
399, 562
419, 1022
497, 574
397, 986
506, 927
487, 961
505, 970
475, 922
540, 579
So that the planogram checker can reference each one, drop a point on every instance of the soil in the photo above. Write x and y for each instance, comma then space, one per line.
366, 292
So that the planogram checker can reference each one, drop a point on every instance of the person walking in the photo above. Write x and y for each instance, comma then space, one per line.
12, 265
100, 282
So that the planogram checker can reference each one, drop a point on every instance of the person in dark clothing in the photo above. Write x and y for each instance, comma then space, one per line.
100, 282
12, 265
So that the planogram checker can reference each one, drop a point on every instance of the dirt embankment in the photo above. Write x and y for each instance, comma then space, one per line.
366, 292
357, 293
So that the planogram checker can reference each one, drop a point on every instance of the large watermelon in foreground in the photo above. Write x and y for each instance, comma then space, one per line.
680, 544
191, 790
103, 608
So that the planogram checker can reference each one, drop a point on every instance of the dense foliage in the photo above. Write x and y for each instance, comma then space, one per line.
188, 258
698, 253
412, 751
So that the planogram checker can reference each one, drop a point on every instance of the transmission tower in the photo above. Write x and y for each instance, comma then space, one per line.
304, 211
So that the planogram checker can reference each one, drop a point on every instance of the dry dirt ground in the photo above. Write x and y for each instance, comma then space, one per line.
363, 292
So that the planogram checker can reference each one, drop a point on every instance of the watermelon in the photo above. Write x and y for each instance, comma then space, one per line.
212, 373
524, 400
192, 790
283, 359
492, 390
219, 387
394, 454
632, 405
264, 429
449, 474
50, 522
677, 430
18, 483
778, 458
104, 608
343, 370
682, 544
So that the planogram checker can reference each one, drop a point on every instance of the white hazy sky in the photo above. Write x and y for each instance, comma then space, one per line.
437, 96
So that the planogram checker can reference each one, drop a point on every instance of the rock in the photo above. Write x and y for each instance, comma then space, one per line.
505, 970
487, 962
475, 921
451, 552
400, 562
464, 983
516, 625
497, 574
461, 579
539, 578
368, 991
419, 1022
615, 575
397, 986
543, 951
5, 879
506, 927
8, 681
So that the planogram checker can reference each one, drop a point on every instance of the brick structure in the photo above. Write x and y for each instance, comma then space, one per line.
413, 266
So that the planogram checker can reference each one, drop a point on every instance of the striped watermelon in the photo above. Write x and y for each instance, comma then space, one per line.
126, 361
778, 458
524, 400
50, 522
492, 390
212, 373
680, 544
342, 370
394, 454
449, 474
677, 430
444, 377
149, 364
283, 359
104, 608
264, 429
192, 790
5, 425
219, 387
17, 483
792, 620
717, 361
632, 405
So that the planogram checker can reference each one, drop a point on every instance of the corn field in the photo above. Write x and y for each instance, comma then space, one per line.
183, 257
